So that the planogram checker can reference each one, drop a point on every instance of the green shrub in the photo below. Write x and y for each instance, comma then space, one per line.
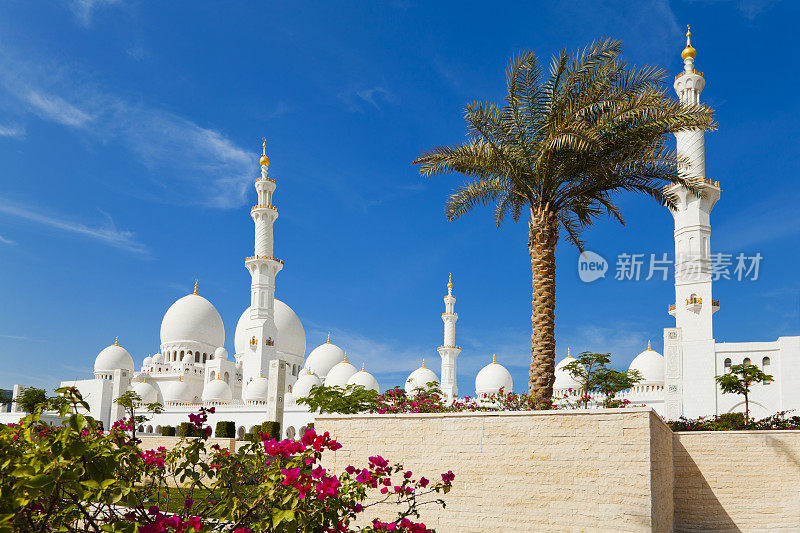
168, 431
225, 429
250, 437
273, 429
729, 422
186, 430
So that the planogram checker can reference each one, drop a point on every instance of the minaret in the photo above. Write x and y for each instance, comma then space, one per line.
449, 351
263, 268
691, 370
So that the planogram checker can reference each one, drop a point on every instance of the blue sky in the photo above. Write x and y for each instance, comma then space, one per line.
129, 140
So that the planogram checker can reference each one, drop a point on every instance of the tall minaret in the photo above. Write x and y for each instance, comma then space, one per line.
263, 268
693, 371
449, 351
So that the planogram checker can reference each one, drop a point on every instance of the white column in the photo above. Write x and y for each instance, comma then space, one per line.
263, 268
690, 347
449, 351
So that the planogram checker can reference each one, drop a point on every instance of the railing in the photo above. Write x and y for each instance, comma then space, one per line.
694, 181
262, 178
714, 303
259, 206
672, 307
694, 300
683, 73
263, 257
440, 347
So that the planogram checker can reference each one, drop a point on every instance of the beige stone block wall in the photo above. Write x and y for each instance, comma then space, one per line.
737, 481
581, 470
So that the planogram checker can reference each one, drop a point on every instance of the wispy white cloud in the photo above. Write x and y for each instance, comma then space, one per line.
12, 130
187, 162
56, 109
4, 240
107, 234
372, 96
85, 9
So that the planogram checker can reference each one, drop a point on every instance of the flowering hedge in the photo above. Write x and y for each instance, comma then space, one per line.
735, 421
75, 478
357, 399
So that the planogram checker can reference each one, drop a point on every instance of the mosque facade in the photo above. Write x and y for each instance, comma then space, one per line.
269, 370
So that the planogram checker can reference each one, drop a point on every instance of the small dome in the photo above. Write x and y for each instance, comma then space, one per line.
177, 392
302, 387
217, 391
339, 374
563, 378
492, 378
192, 318
303, 371
650, 365
365, 379
188, 358
291, 335
256, 390
221, 353
112, 358
323, 358
158, 359
420, 378
147, 361
146, 392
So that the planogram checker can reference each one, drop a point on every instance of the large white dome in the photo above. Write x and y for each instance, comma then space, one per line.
217, 391
146, 392
420, 378
192, 318
112, 358
339, 374
302, 387
650, 365
291, 335
492, 378
323, 358
563, 378
365, 379
177, 392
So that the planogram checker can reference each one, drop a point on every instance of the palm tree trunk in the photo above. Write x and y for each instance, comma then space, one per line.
542, 239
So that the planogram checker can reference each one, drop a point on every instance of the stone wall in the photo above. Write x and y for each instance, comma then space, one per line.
737, 480
534, 471
151, 443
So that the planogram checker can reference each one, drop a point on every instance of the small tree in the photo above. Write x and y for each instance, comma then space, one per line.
738, 381
349, 400
592, 372
129, 401
31, 398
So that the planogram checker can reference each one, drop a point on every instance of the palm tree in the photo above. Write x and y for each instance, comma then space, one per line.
559, 151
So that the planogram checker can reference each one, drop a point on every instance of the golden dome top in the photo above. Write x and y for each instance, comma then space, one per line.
494, 359
195, 286
116, 341
450, 281
689, 51
423, 364
264, 159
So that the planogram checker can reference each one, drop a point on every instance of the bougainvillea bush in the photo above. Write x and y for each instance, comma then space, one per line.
75, 478
735, 421
356, 399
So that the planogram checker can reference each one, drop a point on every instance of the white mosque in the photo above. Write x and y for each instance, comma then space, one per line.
270, 370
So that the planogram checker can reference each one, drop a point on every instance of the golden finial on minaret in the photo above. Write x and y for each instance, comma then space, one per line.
689, 51
329, 338
264, 159
116, 341
569, 354
423, 364
363, 366
494, 359
648, 345
450, 281
195, 286
345, 357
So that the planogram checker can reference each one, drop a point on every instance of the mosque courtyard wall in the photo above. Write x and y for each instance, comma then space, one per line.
583, 470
